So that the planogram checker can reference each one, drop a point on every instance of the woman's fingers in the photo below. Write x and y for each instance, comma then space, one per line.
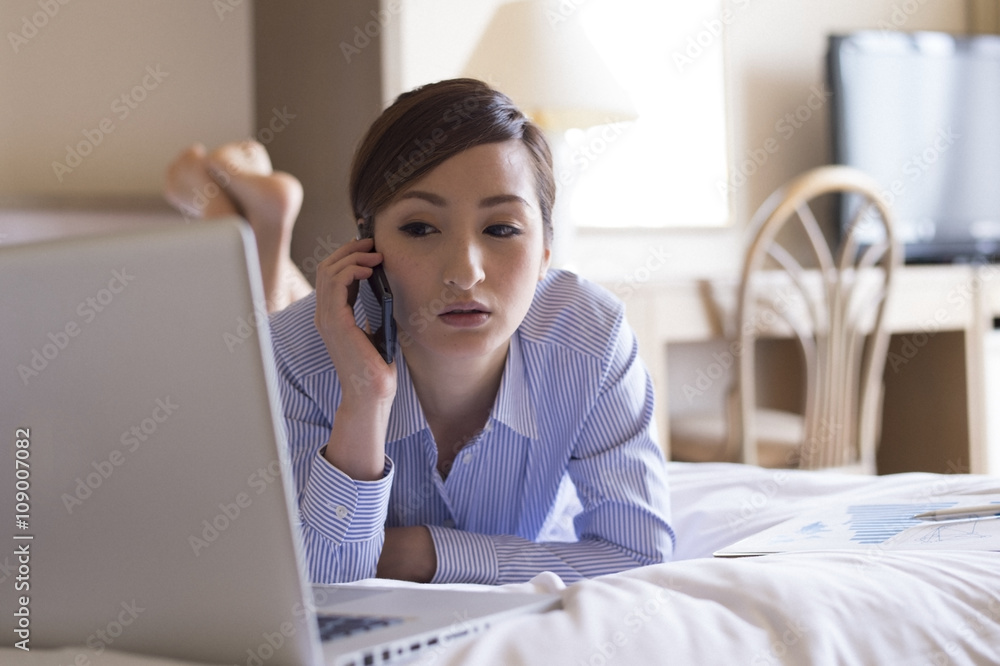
359, 365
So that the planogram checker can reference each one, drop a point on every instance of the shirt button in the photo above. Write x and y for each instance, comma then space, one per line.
448, 522
341, 511
467, 458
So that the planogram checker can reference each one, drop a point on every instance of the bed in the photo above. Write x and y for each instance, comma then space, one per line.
871, 606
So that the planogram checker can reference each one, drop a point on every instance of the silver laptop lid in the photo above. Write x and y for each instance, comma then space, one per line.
145, 430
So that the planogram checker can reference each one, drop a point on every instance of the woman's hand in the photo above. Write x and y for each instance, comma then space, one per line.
407, 554
361, 369
357, 443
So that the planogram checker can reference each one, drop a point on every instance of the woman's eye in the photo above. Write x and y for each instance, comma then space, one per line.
502, 230
416, 229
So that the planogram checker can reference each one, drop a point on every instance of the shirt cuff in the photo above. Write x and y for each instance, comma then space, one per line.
463, 557
344, 509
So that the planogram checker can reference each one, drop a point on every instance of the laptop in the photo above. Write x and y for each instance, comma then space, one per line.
145, 464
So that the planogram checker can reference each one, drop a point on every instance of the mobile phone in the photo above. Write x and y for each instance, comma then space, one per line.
384, 338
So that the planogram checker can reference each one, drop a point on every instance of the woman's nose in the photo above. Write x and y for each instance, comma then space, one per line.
463, 265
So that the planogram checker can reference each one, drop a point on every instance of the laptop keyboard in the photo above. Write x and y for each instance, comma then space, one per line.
332, 627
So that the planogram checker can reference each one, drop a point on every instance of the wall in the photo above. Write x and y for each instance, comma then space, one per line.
99, 95
322, 61
65, 78
776, 96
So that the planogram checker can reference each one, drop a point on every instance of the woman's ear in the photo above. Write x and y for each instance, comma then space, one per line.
361, 227
546, 262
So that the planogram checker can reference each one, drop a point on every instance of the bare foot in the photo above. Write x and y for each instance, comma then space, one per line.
247, 156
270, 201
189, 188
237, 179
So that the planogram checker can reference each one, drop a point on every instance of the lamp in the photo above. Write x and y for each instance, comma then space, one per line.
542, 59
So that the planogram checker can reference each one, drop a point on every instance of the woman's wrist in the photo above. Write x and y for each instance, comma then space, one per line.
357, 440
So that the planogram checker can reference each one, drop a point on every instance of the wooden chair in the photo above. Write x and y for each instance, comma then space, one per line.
834, 308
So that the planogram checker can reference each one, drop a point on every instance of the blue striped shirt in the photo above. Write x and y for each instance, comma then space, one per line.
565, 476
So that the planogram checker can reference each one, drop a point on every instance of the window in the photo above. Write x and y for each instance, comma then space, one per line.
668, 167
665, 169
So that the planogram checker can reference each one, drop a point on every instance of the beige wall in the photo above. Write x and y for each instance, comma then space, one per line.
776, 66
322, 61
775, 60
183, 66
64, 80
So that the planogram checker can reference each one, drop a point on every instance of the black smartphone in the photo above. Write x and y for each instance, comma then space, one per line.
384, 338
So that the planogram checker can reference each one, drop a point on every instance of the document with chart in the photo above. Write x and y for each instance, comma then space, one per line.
966, 522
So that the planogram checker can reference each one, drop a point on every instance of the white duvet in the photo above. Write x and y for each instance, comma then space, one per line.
837, 607
863, 607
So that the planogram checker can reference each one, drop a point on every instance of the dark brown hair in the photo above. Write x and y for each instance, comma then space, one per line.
428, 125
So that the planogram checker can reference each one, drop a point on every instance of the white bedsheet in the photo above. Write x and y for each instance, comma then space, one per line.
871, 607
863, 607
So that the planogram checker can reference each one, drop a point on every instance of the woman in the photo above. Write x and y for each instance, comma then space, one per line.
517, 396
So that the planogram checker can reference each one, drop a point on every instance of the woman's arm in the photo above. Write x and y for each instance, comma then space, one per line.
356, 443
337, 394
619, 472
342, 519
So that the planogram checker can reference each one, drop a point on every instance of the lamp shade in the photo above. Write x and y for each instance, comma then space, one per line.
546, 63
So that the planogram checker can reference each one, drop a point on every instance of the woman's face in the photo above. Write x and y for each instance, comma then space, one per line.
463, 250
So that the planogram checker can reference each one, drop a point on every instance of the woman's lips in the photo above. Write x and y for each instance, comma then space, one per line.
465, 315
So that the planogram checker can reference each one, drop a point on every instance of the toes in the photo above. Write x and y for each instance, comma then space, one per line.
247, 156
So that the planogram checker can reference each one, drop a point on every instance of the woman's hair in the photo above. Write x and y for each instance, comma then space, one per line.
428, 125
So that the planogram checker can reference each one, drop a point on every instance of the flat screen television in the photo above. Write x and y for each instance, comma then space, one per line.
920, 112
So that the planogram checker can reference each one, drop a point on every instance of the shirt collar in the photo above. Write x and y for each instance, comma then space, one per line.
407, 416
513, 406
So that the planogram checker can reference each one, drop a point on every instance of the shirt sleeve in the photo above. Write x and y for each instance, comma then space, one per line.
620, 475
342, 519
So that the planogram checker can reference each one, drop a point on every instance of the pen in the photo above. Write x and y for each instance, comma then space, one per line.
957, 512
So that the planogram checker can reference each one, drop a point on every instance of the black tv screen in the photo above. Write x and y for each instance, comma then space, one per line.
920, 112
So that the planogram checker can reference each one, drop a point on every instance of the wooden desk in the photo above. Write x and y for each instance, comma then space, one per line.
934, 412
